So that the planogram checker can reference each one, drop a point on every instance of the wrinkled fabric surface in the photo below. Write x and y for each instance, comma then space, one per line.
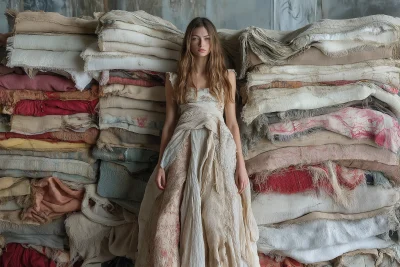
89, 136
125, 154
80, 122
274, 207
115, 137
39, 145
40, 108
266, 261
351, 122
62, 42
15, 255
52, 199
11, 187
156, 93
129, 103
48, 83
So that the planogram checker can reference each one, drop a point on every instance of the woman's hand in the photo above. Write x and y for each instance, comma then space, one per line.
160, 178
242, 179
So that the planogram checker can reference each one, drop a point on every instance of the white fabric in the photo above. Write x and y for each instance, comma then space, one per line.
312, 97
273, 208
155, 93
128, 103
124, 36
128, 62
67, 42
323, 233
113, 47
382, 70
329, 253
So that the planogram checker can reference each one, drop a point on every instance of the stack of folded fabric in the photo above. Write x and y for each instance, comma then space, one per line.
133, 53
47, 130
321, 140
50, 42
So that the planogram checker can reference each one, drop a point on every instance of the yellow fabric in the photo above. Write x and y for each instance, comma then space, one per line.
39, 145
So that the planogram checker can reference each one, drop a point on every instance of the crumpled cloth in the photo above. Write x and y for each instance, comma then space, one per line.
10, 97
155, 93
129, 103
48, 83
40, 108
352, 122
116, 137
40, 145
266, 261
15, 255
52, 199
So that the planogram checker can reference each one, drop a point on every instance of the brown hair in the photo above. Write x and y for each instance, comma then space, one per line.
217, 73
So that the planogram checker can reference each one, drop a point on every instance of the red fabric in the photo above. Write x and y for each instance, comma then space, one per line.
15, 255
299, 179
39, 82
40, 108
129, 81
89, 136
266, 261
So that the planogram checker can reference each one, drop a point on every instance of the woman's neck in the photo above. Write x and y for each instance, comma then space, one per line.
200, 64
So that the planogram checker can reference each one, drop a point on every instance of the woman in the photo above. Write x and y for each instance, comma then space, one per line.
193, 214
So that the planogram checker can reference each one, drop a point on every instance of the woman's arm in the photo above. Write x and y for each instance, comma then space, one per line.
231, 122
168, 129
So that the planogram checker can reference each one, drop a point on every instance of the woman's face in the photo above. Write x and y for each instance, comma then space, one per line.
200, 42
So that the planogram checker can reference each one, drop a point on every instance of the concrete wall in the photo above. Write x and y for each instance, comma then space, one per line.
233, 14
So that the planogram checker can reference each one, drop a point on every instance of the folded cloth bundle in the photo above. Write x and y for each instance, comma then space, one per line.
116, 137
80, 122
291, 156
125, 154
52, 199
156, 93
12, 187
48, 83
141, 22
384, 71
97, 61
142, 77
40, 108
313, 97
61, 43
351, 122
16, 253
51, 22
275, 208
135, 120
40, 145
89, 136
10, 97
129, 103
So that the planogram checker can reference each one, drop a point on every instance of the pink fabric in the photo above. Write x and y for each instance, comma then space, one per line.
129, 81
301, 179
52, 199
351, 122
266, 261
41, 108
39, 82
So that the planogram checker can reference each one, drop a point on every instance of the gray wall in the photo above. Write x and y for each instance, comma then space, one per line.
232, 14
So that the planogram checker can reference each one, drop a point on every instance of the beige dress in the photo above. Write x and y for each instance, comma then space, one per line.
200, 219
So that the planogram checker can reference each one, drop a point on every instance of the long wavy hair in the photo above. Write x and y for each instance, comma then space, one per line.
217, 75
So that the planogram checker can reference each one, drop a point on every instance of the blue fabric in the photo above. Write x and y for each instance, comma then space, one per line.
126, 154
42, 174
81, 155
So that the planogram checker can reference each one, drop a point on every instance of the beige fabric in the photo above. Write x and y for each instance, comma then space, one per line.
36, 125
285, 157
314, 56
39, 145
122, 138
156, 93
390, 171
51, 22
10, 187
338, 216
129, 103
312, 139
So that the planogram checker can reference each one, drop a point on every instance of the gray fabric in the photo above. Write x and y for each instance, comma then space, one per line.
81, 155
40, 174
129, 205
5, 125
116, 181
125, 154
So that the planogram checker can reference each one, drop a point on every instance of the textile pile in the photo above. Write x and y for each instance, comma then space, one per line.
49, 124
321, 138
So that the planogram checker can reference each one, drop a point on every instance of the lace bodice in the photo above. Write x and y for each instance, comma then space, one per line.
203, 98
